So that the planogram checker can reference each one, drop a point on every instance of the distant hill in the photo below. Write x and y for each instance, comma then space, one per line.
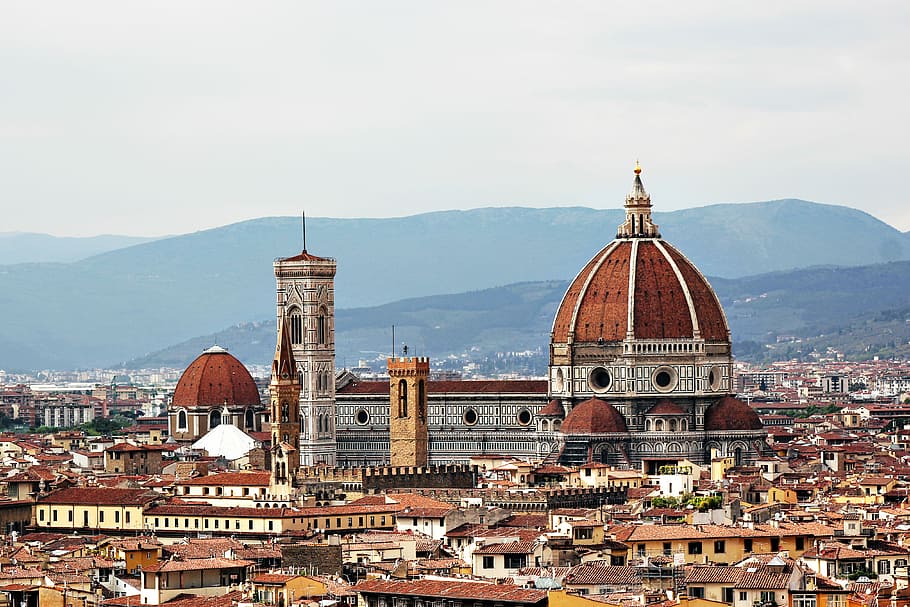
123, 304
27, 247
860, 311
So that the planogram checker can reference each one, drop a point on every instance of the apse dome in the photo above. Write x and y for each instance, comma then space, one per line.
731, 414
594, 416
216, 378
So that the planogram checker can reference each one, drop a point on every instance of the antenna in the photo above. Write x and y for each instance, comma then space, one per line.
303, 227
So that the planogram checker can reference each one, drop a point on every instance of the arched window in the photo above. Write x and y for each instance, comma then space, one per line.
403, 398
181, 420
214, 418
422, 399
322, 326
659, 425
672, 425
249, 418
296, 325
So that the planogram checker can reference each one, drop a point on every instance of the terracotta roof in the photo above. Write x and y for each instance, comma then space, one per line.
666, 407
216, 378
506, 548
230, 479
604, 575
553, 409
305, 256
197, 564
596, 304
99, 496
731, 414
593, 416
506, 593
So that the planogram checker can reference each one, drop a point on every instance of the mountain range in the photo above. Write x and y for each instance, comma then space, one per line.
122, 304
860, 311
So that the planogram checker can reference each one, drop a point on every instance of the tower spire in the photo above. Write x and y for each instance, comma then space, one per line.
284, 365
303, 228
638, 222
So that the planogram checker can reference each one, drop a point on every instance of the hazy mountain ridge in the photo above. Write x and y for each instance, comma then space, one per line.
30, 247
860, 311
120, 304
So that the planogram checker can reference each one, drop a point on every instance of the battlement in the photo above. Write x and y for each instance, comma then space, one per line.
409, 365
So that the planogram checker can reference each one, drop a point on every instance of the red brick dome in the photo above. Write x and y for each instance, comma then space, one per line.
666, 407
731, 414
216, 378
553, 409
670, 298
594, 416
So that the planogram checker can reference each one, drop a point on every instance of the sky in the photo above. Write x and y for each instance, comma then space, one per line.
152, 118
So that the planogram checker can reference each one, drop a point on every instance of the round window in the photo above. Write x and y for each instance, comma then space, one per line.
600, 379
714, 378
524, 417
664, 379
362, 417
470, 417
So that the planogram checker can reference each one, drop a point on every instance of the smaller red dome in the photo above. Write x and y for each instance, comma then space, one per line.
666, 407
594, 416
553, 409
216, 378
731, 414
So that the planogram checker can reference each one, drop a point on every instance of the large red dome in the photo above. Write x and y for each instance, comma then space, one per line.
594, 416
670, 299
216, 378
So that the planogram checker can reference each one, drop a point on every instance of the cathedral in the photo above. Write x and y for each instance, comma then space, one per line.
640, 376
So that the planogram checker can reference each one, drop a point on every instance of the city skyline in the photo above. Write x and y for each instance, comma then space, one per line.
161, 120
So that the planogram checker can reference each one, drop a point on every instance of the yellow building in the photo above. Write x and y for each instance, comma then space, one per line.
780, 495
92, 508
720, 544
285, 588
246, 521
132, 554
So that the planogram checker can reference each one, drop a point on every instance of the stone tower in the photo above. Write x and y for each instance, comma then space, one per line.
305, 287
284, 391
408, 435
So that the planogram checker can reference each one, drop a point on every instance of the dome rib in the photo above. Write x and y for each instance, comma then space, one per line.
712, 321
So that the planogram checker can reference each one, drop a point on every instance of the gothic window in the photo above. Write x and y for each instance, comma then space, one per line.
403, 398
421, 399
214, 418
296, 326
181, 420
321, 326
285, 412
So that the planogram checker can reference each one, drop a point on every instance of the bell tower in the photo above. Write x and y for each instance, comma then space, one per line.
284, 393
408, 435
305, 287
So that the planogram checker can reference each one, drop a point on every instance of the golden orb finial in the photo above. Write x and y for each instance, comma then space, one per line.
637, 168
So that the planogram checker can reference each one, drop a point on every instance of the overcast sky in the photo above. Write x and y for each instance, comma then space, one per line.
152, 118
